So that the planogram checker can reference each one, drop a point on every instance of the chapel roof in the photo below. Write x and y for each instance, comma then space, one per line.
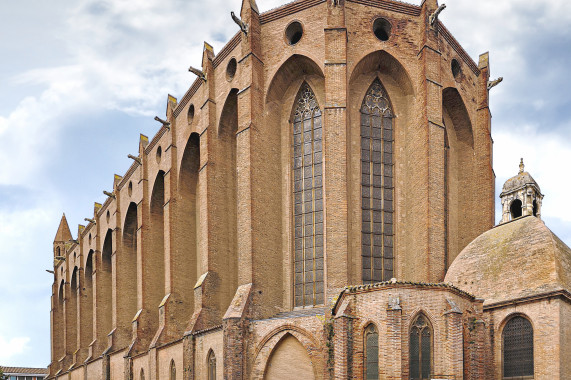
517, 259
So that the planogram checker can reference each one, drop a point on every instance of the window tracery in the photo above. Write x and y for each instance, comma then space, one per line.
420, 349
377, 188
211, 365
308, 199
371, 353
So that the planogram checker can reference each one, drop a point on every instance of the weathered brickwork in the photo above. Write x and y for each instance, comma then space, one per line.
189, 269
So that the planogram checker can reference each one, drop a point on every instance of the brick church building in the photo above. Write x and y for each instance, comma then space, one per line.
308, 210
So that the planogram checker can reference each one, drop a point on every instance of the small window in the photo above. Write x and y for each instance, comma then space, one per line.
382, 29
173, 370
142, 375
455, 67
534, 207
517, 348
231, 69
159, 154
420, 349
294, 32
515, 209
190, 116
371, 353
211, 365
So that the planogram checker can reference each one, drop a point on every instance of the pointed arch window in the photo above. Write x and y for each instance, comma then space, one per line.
308, 199
377, 187
420, 349
371, 353
173, 371
211, 365
517, 348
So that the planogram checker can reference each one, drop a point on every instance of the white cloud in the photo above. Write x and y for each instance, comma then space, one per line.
12, 347
126, 56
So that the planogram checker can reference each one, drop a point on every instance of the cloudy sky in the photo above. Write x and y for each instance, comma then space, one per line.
80, 80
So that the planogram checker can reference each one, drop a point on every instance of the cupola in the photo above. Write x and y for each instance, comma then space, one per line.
521, 196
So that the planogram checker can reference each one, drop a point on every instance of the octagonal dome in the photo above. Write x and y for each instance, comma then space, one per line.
518, 182
517, 259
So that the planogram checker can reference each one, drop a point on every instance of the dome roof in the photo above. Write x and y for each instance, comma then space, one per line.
519, 181
516, 259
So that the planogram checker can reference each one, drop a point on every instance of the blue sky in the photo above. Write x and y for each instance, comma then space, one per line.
80, 80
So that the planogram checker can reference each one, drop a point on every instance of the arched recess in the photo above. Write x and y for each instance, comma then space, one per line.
126, 278
226, 183
88, 281
268, 345
185, 266
279, 114
58, 327
154, 263
459, 176
380, 157
104, 292
289, 350
72, 324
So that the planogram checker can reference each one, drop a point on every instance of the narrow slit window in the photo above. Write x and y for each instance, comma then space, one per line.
420, 349
371, 353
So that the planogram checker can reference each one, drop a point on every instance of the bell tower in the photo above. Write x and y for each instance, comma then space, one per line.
63, 235
521, 196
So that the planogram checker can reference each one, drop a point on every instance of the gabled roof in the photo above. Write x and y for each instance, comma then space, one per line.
24, 370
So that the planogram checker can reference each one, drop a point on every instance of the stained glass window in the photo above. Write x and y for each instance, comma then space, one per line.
518, 348
377, 187
420, 349
308, 199
371, 353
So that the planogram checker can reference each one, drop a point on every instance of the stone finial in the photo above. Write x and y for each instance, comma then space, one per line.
394, 303
521, 166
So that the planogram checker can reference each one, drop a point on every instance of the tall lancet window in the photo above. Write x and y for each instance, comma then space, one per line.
377, 188
308, 199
